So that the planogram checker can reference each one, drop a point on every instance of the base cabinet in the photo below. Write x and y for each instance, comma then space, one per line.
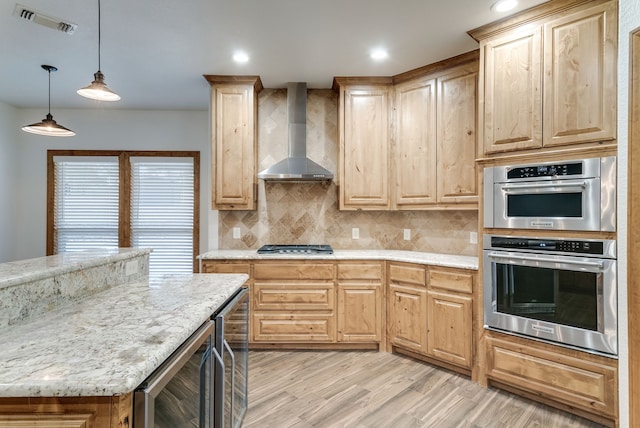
581, 383
360, 299
449, 327
408, 307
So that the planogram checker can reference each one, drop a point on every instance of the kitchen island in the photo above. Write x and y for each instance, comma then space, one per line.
82, 359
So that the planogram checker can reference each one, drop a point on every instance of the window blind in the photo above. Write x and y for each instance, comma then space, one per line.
86, 204
162, 205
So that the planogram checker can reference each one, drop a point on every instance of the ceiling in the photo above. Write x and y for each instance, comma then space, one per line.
154, 52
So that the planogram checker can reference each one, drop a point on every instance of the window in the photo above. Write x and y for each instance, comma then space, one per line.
99, 199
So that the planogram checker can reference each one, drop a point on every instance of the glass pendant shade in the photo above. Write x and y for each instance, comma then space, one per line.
98, 90
48, 126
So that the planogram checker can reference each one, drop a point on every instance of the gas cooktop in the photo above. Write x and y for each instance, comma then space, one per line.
295, 249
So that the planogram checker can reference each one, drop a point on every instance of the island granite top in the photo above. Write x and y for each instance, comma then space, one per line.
110, 342
434, 259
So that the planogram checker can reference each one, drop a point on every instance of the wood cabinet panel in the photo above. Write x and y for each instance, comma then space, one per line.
576, 382
294, 327
415, 143
299, 296
234, 130
449, 322
456, 141
222, 267
364, 148
580, 79
359, 313
408, 274
408, 317
293, 271
453, 280
360, 271
511, 91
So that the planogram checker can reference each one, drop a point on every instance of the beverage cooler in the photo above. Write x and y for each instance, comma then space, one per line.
203, 384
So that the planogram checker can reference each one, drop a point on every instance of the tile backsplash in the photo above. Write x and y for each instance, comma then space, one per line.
307, 213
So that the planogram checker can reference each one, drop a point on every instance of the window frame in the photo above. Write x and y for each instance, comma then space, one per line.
124, 215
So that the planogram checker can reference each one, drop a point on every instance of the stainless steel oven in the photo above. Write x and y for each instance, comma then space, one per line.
566, 195
558, 290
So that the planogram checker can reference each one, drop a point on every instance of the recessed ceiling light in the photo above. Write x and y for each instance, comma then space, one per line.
379, 54
240, 57
504, 5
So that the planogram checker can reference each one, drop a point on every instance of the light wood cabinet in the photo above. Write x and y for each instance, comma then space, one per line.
293, 302
580, 76
584, 383
415, 144
363, 122
67, 412
360, 297
450, 316
550, 81
407, 307
234, 108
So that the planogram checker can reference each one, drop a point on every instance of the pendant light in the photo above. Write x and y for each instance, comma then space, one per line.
48, 126
98, 90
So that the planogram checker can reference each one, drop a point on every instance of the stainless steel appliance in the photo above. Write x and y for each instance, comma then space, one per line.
295, 249
204, 382
569, 195
559, 290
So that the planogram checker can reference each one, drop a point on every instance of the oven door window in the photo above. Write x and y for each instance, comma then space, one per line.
559, 296
545, 205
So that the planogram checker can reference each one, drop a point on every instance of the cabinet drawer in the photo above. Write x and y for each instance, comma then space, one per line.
572, 381
222, 267
360, 271
408, 274
294, 327
319, 296
451, 280
274, 271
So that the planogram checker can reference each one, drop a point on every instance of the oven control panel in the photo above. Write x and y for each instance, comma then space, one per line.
533, 171
557, 245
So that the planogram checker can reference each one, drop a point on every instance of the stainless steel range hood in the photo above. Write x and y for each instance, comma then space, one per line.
297, 166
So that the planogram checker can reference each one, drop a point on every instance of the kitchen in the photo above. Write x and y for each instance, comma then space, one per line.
137, 127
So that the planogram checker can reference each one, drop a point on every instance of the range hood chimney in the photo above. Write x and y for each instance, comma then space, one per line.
297, 166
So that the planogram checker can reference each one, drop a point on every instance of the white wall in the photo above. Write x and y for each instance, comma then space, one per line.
101, 129
629, 20
8, 148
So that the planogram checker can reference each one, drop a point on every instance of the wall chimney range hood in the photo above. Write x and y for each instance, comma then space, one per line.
297, 166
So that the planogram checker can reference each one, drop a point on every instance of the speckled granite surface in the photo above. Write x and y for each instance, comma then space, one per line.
33, 287
108, 343
434, 259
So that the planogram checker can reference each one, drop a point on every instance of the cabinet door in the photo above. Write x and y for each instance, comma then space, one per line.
449, 324
456, 142
580, 76
415, 144
234, 147
408, 317
364, 149
510, 94
359, 313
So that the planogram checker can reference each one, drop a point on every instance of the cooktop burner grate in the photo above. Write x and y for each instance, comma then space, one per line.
295, 249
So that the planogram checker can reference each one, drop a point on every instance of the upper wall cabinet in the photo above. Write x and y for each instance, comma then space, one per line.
548, 77
409, 142
234, 111
364, 164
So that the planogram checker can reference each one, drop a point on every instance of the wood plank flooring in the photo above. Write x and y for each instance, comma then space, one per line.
304, 389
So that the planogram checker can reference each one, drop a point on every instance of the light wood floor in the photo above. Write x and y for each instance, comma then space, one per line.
375, 389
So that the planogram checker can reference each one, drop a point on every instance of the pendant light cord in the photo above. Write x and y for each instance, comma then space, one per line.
49, 70
99, 21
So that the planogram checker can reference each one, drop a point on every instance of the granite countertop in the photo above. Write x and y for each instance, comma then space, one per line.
108, 343
18, 272
434, 259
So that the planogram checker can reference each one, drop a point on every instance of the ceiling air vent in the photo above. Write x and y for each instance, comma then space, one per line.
29, 14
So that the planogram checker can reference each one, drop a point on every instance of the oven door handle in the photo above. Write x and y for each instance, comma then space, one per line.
517, 188
597, 265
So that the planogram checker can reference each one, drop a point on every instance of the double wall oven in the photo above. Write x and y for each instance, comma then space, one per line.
562, 286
